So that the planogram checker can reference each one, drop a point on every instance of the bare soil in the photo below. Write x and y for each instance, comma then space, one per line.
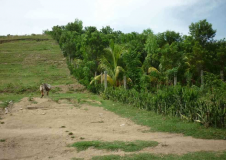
39, 129
70, 87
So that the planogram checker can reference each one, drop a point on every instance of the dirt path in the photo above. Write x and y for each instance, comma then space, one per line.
34, 131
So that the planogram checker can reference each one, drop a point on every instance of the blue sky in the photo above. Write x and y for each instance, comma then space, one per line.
19, 17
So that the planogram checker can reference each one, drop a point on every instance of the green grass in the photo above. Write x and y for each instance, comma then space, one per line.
146, 156
6, 97
116, 145
3, 104
2, 140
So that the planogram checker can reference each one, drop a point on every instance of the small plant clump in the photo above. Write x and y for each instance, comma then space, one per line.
30, 98
116, 145
77, 159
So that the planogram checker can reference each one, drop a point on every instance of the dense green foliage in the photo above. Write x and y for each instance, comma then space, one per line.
87, 50
150, 62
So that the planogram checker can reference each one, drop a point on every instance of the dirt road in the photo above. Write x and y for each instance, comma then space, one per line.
40, 130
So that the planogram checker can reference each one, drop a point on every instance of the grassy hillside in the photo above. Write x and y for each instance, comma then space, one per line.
16, 37
27, 62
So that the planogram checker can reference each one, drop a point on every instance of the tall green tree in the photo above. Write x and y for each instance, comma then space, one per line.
168, 37
152, 49
202, 31
133, 66
77, 26
57, 31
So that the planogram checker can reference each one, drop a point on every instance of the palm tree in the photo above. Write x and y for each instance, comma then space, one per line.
110, 62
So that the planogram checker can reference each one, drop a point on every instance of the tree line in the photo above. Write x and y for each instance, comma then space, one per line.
146, 59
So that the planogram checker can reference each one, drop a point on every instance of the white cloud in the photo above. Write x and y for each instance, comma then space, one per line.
127, 15
34, 16
43, 14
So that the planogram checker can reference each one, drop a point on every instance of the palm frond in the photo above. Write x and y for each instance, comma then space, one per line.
119, 70
110, 80
152, 69
106, 65
97, 78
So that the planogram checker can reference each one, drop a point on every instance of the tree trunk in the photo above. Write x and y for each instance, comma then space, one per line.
202, 79
95, 76
105, 80
175, 79
124, 80
101, 78
222, 75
